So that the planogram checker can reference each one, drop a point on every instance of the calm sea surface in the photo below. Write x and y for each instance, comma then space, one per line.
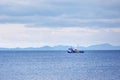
59, 65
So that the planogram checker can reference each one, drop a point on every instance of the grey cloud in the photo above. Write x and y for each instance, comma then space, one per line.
61, 21
61, 13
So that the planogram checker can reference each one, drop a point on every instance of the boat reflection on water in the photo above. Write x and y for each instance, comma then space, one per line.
71, 50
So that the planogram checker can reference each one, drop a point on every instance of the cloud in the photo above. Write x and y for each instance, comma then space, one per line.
36, 23
63, 13
59, 21
22, 36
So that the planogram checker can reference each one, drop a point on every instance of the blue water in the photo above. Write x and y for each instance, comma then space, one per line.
59, 65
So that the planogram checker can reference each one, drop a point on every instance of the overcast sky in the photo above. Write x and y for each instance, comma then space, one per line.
34, 23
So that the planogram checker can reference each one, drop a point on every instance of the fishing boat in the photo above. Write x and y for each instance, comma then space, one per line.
71, 50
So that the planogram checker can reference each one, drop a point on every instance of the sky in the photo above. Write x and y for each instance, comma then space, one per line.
36, 23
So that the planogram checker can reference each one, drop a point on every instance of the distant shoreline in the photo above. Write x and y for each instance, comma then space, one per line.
63, 47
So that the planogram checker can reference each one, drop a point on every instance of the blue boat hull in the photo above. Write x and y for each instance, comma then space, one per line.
75, 52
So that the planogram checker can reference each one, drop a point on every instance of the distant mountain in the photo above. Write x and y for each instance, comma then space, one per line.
62, 47
59, 47
105, 46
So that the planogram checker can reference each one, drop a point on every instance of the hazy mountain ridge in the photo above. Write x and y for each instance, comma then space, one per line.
105, 46
62, 47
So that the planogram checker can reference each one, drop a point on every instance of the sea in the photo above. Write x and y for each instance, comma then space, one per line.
59, 65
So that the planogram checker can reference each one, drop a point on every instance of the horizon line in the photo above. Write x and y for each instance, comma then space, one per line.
61, 45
